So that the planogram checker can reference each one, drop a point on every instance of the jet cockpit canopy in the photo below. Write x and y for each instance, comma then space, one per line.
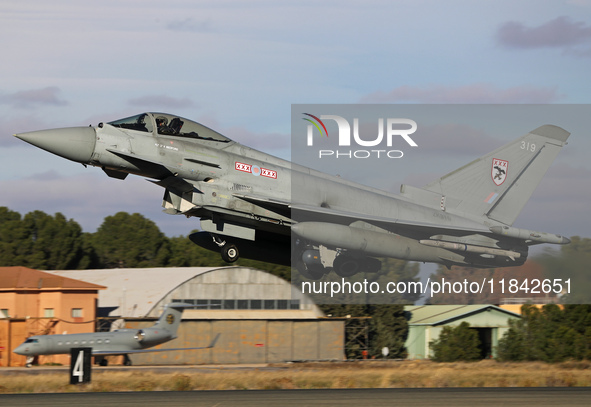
164, 124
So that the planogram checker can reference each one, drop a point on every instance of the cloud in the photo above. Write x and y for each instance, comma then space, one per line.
579, 3
190, 25
259, 141
48, 96
562, 200
475, 93
560, 32
159, 101
264, 142
456, 139
578, 52
10, 125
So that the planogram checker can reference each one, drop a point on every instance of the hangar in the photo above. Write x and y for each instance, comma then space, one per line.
261, 317
425, 323
236, 292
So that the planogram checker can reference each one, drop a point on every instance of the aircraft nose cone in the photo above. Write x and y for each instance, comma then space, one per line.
74, 143
20, 350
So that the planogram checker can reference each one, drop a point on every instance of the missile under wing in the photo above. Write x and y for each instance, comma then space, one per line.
244, 198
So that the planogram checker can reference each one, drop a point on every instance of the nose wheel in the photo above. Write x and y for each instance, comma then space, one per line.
30, 360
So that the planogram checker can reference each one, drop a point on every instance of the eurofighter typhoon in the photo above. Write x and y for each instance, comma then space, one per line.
244, 198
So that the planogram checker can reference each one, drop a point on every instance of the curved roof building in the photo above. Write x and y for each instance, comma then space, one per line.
219, 292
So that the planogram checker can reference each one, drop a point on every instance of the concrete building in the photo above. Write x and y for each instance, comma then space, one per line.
250, 341
34, 302
426, 322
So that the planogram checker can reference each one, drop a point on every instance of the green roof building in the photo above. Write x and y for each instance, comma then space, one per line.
425, 323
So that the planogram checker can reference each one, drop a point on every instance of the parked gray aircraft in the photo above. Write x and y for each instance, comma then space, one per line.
118, 342
244, 198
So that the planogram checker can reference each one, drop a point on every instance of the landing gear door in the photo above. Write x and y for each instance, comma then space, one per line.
227, 229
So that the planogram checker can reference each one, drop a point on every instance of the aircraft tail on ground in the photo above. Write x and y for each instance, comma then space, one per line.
497, 185
171, 317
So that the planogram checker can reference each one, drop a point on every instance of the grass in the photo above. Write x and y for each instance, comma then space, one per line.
405, 374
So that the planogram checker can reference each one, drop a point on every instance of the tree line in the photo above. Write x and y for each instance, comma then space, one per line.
52, 242
549, 334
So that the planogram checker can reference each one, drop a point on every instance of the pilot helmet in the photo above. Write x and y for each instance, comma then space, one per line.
161, 121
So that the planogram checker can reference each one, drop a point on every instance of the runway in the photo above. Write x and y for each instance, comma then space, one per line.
37, 370
521, 397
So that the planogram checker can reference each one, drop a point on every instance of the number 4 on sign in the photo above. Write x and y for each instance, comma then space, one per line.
80, 365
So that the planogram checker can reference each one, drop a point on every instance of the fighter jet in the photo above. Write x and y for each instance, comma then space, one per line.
245, 202
119, 342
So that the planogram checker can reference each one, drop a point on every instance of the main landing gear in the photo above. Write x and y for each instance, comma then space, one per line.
311, 266
102, 360
228, 250
230, 253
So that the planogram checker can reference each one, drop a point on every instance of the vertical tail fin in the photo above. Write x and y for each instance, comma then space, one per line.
171, 317
498, 185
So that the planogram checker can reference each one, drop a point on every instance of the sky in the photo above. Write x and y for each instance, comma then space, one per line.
238, 66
